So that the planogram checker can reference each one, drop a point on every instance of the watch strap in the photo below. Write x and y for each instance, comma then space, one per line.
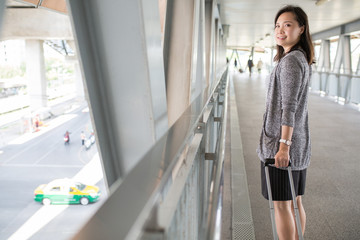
287, 142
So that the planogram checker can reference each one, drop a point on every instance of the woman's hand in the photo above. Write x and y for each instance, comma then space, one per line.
282, 158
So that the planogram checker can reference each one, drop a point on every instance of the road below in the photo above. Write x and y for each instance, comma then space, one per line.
40, 157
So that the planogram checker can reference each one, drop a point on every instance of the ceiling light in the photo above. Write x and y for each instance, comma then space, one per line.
320, 2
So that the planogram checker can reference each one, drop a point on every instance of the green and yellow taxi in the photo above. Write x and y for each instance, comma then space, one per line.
66, 191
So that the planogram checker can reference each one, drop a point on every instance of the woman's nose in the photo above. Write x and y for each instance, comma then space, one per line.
280, 29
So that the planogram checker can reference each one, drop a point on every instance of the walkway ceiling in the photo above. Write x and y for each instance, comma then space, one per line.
251, 21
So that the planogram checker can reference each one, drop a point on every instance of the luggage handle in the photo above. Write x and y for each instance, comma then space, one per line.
269, 161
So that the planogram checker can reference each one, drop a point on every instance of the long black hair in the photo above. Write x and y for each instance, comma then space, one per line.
305, 42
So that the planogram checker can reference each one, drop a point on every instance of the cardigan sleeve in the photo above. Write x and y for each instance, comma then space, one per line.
291, 77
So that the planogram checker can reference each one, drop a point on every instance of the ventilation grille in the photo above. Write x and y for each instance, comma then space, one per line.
242, 222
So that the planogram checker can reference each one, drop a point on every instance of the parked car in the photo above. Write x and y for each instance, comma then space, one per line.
66, 191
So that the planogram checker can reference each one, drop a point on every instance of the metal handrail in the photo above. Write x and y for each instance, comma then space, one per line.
218, 170
131, 209
338, 85
338, 74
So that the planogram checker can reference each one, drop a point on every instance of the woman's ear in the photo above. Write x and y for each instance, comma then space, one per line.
302, 29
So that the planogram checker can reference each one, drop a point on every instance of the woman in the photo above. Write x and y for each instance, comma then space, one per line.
285, 133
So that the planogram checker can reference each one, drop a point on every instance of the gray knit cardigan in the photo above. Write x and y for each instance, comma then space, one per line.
286, 104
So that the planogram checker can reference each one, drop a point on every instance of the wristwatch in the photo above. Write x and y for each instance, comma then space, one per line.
287, 142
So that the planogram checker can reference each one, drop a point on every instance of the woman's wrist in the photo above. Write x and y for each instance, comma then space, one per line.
284, 147
287, 142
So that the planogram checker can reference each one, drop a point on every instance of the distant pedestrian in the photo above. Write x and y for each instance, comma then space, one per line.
82, 136
250, 65
235, 63
259, 65
36, 123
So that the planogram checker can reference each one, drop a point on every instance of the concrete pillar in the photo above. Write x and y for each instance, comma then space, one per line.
80, 93
79, 80
35, 74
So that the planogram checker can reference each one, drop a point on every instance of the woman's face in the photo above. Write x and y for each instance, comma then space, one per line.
287, 31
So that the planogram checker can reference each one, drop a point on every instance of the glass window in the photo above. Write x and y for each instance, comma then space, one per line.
80, 186
55, 189
42, 97
355, 52
317, 49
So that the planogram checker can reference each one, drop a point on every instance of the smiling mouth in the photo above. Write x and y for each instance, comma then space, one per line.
281, 38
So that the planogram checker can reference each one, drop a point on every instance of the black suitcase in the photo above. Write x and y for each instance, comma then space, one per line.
272, 210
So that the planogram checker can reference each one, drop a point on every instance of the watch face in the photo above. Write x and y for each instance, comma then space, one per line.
287, 142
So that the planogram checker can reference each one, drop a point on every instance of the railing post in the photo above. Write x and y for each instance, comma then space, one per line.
218, 165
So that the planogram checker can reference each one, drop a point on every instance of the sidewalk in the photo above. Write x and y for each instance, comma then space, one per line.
332, 185
16, 123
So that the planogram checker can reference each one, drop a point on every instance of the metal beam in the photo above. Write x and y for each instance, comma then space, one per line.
180, 56
324, 58
336, 31
2, 7
119, 46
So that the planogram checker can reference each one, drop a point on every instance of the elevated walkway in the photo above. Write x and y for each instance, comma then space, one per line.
332, 191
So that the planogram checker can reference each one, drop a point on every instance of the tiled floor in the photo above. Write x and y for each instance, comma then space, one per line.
332, 197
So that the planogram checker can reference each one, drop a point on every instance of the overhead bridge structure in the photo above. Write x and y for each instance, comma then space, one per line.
177, 124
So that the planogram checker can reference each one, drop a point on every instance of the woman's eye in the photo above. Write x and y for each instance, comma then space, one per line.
287, 25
